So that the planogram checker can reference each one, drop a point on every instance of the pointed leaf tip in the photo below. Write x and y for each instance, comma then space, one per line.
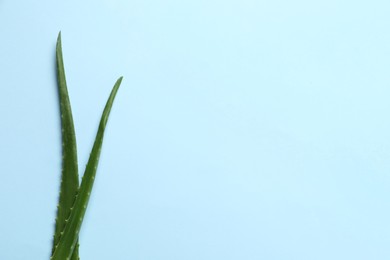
59, 38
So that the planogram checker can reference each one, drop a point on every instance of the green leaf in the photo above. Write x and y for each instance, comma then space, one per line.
69, 175
68, 239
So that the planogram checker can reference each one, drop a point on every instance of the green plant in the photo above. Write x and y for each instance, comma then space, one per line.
73, 199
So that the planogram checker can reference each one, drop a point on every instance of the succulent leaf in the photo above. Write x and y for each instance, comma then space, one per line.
69, 176
69, 237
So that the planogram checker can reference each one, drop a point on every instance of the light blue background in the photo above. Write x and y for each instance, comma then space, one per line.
243, 130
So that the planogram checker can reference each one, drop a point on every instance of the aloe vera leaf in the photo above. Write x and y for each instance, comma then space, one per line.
69, 176
68, 238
